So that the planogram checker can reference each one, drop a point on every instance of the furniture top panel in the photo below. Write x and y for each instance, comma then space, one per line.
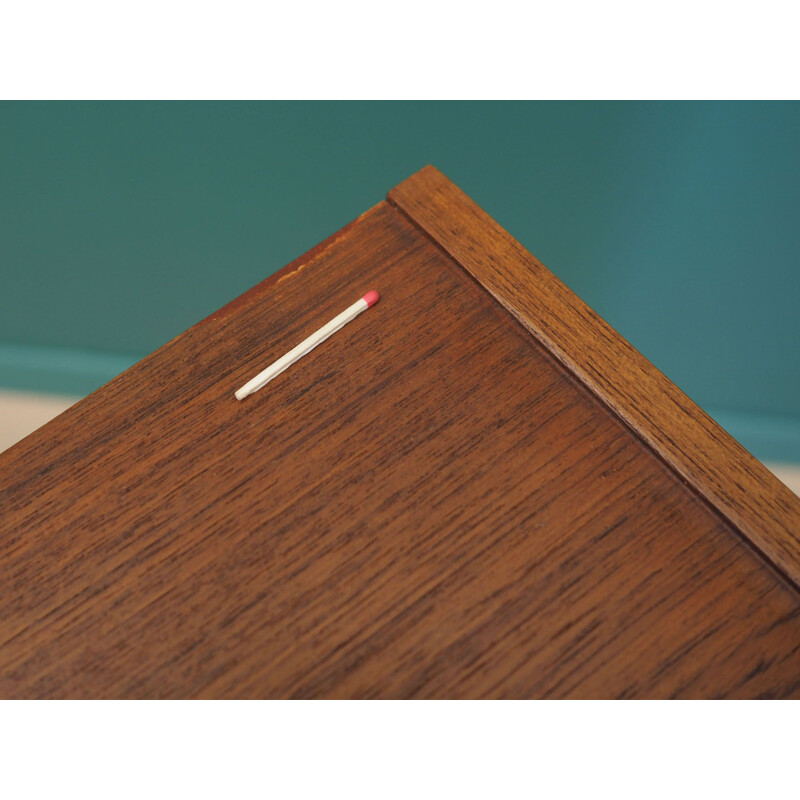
428, 505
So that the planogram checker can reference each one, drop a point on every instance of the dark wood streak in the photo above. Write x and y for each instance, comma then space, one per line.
426, 506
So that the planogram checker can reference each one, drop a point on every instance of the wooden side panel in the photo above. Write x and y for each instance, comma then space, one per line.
701, 452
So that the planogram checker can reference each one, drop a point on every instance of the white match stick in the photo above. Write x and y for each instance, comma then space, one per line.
307, 345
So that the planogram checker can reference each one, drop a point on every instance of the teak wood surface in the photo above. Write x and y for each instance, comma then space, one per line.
434, 503
699, 450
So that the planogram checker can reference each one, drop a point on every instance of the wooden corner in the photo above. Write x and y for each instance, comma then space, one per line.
730, 479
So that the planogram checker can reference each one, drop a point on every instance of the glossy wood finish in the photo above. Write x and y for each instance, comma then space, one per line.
428, 505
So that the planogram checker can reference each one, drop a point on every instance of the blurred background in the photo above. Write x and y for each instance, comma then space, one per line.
123, 223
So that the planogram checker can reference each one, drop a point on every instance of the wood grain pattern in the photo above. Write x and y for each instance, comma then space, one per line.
698, 449
429, 505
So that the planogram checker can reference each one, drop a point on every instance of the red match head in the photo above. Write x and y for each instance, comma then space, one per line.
371, 298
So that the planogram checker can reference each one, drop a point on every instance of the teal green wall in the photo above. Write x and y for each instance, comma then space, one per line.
123, 223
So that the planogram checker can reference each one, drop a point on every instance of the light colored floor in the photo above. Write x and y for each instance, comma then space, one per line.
24, 412
789, 474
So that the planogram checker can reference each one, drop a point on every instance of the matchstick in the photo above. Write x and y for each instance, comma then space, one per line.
307, 345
